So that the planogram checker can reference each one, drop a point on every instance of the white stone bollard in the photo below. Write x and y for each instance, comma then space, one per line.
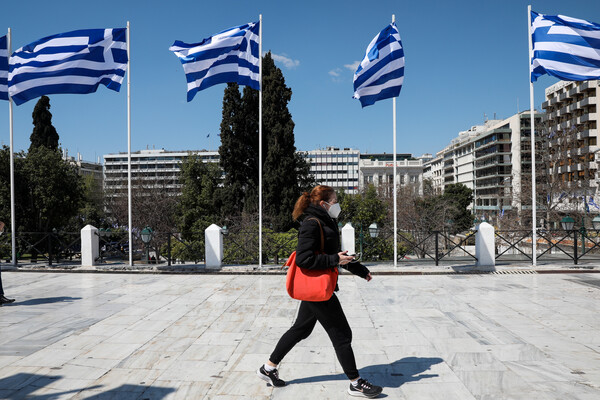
213, 238
484, 245
90, 246
348, 242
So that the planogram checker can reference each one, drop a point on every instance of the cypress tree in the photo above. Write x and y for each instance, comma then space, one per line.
44, 134
285, 173
231, 150
250, 141
280, 168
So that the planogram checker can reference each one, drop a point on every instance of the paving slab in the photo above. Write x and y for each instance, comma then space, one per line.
93, 335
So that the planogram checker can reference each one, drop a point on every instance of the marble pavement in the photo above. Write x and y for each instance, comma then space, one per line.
150, 336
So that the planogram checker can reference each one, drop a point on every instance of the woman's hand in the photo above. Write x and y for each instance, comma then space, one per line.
345, 258
369, 277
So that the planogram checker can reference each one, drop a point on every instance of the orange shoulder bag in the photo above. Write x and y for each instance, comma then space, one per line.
310, 284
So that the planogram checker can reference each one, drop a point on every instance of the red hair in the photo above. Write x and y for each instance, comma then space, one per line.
320, 192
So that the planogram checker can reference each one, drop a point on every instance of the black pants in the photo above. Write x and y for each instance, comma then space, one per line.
331, 316
1, 290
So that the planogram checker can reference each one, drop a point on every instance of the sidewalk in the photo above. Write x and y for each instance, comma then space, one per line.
202, 336
408, 267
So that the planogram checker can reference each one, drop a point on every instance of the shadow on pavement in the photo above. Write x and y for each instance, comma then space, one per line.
408, 369
132, 392
46, 300
23, 385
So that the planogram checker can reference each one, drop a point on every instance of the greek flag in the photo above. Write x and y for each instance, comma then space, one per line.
564, 47
229, 56
3, 69
381, 73
71, 62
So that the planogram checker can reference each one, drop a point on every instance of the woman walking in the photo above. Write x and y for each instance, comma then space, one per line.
319, 210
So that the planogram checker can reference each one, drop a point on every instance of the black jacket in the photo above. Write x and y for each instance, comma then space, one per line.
309, 243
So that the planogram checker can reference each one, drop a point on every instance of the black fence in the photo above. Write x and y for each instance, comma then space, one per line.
576, 246
46, 247
241, 247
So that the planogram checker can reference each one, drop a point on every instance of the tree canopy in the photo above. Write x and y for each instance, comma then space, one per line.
285, 173
44, 134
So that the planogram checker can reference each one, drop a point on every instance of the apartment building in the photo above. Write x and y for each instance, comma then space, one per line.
335, 167
433, 170
150, 168
571, 126
488, 159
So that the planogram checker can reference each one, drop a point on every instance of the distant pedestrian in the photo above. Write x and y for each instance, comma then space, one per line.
321, 204
3, 299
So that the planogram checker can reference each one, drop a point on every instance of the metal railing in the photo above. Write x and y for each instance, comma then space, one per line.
241, 247
417, 246
51, 247
552, 245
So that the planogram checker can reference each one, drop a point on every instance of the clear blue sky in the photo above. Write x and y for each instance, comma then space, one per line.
464, 59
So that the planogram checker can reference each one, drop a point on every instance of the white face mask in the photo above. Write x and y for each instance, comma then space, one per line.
334, 210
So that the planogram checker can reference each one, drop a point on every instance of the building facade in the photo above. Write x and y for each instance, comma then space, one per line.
433, 171
378, 170
335, 167
571, 124
489, 159
149, 168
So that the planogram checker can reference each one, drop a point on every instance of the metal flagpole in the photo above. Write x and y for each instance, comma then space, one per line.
260, 142
130, 222
13, 228
532, 123
395, 180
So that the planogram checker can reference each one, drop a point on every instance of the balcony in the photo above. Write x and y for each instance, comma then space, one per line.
573, 107
587, 133
573, 91
588, 101
588, 117
587, 85
565, 111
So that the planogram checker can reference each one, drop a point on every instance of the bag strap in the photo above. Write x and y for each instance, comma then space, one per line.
322, 235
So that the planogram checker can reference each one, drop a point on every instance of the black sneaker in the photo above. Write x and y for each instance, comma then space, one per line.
271, 377
365, 389
4, 300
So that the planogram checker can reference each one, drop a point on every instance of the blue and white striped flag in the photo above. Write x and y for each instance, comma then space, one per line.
71, 62
381, 73
564, 47
3, 69
229, 56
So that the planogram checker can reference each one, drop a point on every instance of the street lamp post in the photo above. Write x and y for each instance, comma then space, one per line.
567, 223
373, 232
582, 231
596, 223
146, 238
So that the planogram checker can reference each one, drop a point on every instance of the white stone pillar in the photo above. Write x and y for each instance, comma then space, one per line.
90, 246
213, 239
484, 245
348, 241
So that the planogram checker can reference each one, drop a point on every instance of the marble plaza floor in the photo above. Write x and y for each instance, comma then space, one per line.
450, 337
